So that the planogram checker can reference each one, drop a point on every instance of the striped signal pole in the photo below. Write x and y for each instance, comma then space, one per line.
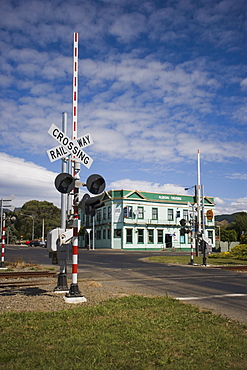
74, 295
198, 201
192, 235
191, 248
75, 86
3, 242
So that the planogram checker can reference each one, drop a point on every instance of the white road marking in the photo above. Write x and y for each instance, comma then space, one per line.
212, 296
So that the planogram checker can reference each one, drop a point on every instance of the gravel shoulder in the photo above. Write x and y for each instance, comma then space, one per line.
37, 293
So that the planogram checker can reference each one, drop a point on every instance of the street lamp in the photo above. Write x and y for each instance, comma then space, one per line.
23, 214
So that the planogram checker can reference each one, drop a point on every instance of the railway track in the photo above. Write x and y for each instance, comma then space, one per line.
26, 274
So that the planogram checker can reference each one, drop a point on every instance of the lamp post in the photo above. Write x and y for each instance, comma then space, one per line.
23, 214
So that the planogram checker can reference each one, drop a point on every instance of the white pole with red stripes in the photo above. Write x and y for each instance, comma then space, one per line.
74, 295
191, 248
3, 242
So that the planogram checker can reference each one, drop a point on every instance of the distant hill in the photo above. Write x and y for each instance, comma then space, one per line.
229, 218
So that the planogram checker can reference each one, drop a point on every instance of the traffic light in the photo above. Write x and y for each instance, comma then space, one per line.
64, 183
90, 205
96, 185
182, 222
183, 230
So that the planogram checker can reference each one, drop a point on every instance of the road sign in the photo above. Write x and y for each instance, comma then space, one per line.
8, 198
210, 214
5, 202
57, 152
69, 146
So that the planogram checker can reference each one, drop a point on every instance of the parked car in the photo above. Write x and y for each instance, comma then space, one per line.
42, 243
34, 243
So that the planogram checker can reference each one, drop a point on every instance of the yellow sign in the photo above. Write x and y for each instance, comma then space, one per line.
210, 214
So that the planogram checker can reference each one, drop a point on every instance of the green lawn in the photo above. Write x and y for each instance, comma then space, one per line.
198, 260
129, 333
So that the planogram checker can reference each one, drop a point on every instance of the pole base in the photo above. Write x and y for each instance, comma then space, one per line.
2, 265
192, 263
74, 295
62, 286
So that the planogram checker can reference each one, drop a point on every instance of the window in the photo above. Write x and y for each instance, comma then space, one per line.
140, 235
154, 213
140, 212
117, 233
98, 215
108, 233
186, 214
150, 236
109, 212
182, 236
104, 233
129, 236
104, 213
98, 234
170, 214
128, 212
160, 236
210, 235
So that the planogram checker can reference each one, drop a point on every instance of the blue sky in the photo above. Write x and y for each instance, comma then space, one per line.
158, 80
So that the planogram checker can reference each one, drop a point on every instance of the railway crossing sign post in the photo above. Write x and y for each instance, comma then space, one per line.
73, 147
69, 146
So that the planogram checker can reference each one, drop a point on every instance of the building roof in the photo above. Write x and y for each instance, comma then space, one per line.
162, 198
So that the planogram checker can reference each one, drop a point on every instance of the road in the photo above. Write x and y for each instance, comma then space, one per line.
221, 291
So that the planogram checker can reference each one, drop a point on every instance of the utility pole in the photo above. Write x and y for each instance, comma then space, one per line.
62, 253
198, 196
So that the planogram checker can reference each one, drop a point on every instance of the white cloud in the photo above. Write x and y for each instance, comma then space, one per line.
128, 27
27, 181
236, 175
226, 206
243, 83
148, 186
218, 201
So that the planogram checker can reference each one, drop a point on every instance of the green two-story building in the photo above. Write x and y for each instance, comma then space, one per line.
137, 220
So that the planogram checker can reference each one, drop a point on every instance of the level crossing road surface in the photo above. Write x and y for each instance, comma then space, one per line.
221, 291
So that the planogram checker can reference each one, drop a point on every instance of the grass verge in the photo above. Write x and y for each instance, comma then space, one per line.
128, 333
198, 260
18, 265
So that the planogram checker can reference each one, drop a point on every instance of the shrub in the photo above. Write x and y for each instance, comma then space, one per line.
243, 239
220, 255
239, 252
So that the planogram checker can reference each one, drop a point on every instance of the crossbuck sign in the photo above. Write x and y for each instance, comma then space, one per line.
68, 146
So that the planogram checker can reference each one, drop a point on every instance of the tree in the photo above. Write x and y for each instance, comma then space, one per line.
32, 216
228, 236
240, 223
11, 234
243, 239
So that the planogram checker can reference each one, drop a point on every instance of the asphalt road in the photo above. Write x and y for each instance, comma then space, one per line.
221, 291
